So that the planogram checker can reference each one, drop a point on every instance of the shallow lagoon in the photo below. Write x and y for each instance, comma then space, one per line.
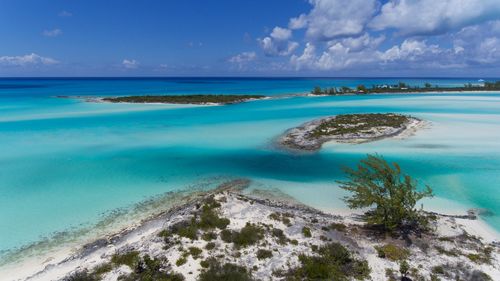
66, 163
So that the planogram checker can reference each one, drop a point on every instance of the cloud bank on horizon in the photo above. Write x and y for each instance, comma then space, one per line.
335, 37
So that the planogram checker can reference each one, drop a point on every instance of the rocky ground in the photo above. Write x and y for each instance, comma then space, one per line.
225, 234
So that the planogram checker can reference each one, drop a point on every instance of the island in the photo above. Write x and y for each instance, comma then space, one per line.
184, 99
349, 128
403, 87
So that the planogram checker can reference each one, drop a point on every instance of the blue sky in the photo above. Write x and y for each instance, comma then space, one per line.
250, 38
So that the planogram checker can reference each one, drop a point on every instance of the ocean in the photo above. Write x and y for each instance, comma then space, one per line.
67, 164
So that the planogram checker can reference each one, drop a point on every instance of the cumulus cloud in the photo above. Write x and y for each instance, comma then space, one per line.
243, 57
339, 53
52, 33
130, 64
425, 17
27, 60
329, 19
278, 43
410, 50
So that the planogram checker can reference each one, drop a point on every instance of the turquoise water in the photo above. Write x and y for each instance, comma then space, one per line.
64, 162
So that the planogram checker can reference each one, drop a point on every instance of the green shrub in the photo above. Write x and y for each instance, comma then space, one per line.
438, 269
226, 236
226, 272
333, 262
306, 231
195, 252
81, 276
209, 236
294, 242
404, 267
338, 227
275, 216
210, 219
204, 264
392, 252
264, 254
210, 246
149, 269
248, 235
278, 233
286, 221
102, 268
130, 259
180, 261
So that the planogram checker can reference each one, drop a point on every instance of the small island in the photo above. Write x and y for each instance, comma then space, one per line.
403, 87
349, 128
185, 99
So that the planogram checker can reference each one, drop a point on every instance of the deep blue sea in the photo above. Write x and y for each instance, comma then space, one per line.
65, 164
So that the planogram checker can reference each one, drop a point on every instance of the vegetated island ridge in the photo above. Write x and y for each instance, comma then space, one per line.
403, 87
228, 234
185, 99
349, 128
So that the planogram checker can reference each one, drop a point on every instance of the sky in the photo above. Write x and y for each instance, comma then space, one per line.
328, 38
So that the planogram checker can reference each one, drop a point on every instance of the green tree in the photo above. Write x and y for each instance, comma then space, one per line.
317, 91
361, 88
428, 85
391, 194
404, 267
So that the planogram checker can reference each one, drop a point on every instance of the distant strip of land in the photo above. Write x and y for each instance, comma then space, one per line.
185, 99
402, 87
348, 128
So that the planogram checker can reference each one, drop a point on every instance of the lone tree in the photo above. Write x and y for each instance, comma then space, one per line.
392, 195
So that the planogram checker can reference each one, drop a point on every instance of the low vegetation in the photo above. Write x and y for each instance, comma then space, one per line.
306, 231
250, 234
332, 262
144, 269
264, 254
392, 252
403, 87
206, 219
216, 271
185, 99
354, 123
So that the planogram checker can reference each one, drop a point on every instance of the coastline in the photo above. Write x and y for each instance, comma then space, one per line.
144, 235
299, 138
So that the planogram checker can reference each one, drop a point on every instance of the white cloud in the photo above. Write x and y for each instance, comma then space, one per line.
362, 42
52, 33
422, 17
298, 22
27, 60
65, 14
331, 19
410, 49
278, 42
130, 64
243, 57
281, 34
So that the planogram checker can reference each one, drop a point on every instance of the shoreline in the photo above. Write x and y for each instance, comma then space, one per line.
192, 103
144, 233
91, 99
298, 138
